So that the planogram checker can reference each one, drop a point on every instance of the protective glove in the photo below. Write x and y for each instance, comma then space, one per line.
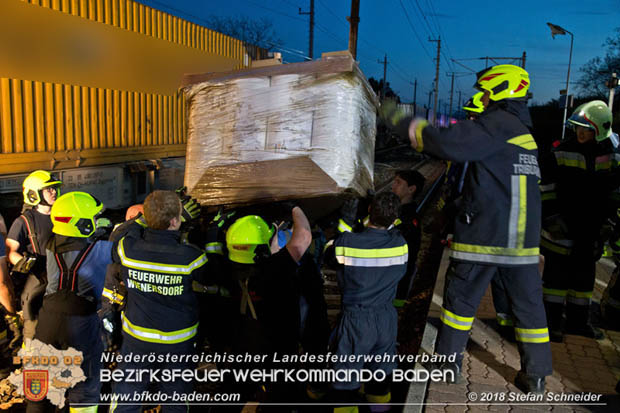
222, 218
395, 118
26, 264
190, 207
348, 215
110, 330
14, 324
214, 240
103, 223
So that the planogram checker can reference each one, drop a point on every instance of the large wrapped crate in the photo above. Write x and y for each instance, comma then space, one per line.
292, 131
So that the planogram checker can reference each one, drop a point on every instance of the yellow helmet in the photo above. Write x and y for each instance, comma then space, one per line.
503, 82
33, 185
244, 235
474, 104
74, 214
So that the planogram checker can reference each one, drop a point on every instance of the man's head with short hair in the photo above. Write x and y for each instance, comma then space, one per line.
384, 209
406, 184
160, 208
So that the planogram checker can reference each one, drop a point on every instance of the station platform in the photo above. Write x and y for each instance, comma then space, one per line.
582, 366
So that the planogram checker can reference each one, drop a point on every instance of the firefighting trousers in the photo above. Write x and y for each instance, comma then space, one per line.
82, 333
466, 284
142, 391
568, 279
365, 331
501, 303
610, 303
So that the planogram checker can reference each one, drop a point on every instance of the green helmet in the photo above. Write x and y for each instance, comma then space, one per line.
244, 236
34, 183
594, 115
74, 214
474, 104
503, 82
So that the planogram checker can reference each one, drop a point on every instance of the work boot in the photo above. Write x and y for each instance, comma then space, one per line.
530, 384
585, 330
453, 367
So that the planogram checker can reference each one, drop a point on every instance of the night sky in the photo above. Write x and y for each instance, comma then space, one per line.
401, 29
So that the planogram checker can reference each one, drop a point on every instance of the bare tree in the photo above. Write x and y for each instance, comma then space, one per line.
252, 32
599, 69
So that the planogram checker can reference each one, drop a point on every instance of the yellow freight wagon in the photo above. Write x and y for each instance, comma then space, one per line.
86, 128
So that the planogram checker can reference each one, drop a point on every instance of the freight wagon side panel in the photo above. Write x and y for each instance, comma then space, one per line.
56, 126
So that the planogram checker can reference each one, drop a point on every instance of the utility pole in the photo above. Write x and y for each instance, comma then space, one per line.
523, 60
460, 101
385, 62
353, 20
430, 93
434, 118
311, 13
451, 94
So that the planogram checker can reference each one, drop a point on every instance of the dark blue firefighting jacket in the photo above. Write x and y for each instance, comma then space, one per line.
161, 310
578, 193
499, 218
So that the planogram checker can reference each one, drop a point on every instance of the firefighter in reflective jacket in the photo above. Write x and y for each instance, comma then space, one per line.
497, 228
26, 243
370, 265
76, 262
579, 179
161, 310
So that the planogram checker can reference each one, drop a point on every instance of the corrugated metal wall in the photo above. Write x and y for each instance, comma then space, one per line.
46, 125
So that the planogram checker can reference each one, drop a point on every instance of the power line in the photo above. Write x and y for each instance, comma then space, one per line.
430, 30
414, 30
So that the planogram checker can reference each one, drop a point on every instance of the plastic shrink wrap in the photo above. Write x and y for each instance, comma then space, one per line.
292, 131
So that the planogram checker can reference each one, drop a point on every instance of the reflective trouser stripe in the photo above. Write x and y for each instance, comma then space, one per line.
116, 298
456, 321
343, 226
557, 246
554, 296
579, 297
379, 398
89, 409
504, 319
532, 335
152, 335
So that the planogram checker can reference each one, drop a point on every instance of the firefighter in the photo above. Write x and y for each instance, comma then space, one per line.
76, 262
12, 320
406, 185
266, 283
497, 228
26, 243
161, 310
579, 177
370, 265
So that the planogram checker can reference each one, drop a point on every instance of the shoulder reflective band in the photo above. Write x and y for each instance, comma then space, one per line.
579, 297
573, 159
152, 335
551, 295
113, 296
343, 226
524, 141
547, 192
214, 248
532, 335
496, 255
456, 321
378, 257
140, 221
159, 267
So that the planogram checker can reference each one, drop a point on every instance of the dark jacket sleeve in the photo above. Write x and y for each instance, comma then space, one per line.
465, 141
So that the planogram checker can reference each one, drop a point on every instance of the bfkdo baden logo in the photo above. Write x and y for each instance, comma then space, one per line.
46, 372
36, 384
